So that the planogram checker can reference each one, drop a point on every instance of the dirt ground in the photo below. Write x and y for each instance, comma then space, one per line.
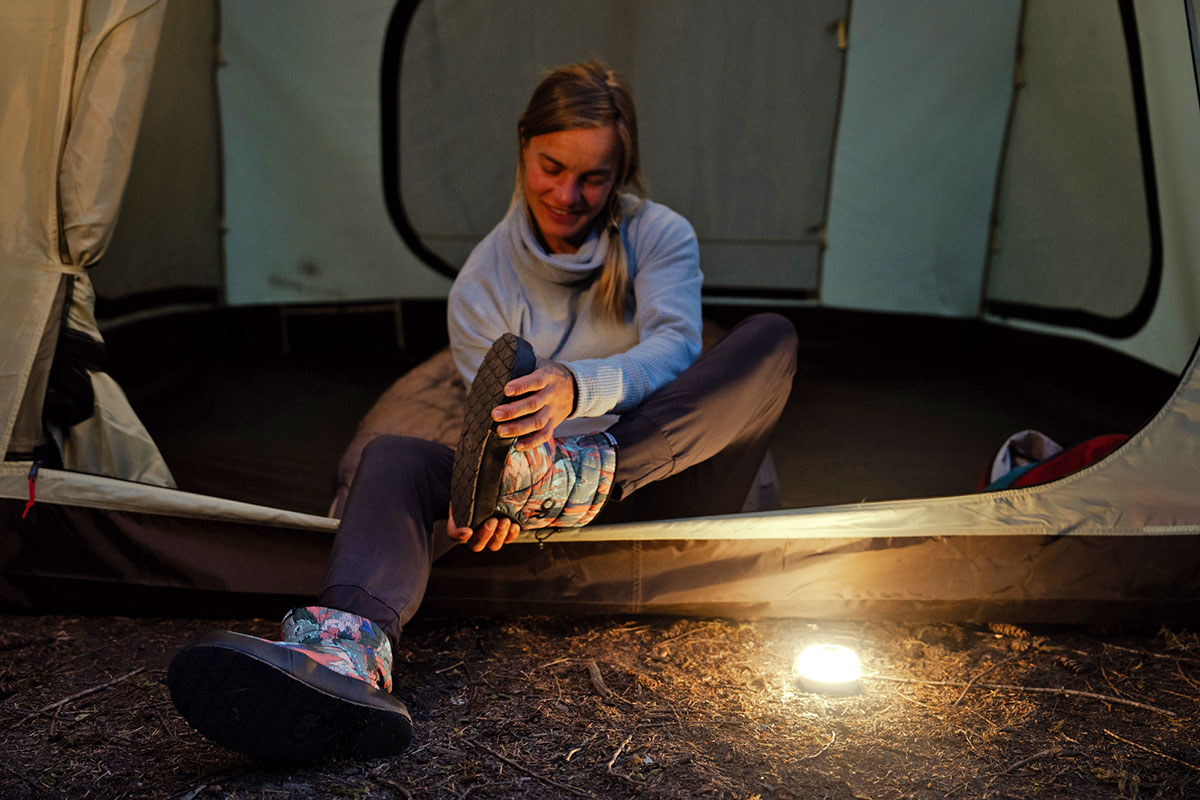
624, 707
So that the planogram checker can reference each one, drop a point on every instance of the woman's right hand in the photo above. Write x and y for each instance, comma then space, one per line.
545, 397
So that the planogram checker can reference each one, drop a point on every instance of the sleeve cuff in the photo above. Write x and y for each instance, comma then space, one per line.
598, 387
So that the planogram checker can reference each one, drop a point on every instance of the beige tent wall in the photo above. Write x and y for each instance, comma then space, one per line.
76, 76
737, 108
112, 73
304, 207
1071, 228
300, 116
169, 233
38, 40
1169, 336
922, 124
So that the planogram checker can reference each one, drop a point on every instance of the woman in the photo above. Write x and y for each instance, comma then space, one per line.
577, 322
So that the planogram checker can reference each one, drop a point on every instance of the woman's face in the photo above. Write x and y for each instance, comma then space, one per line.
568, 176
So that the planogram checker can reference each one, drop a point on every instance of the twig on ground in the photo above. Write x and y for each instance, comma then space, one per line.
597, 679
821, 752
1053, 751
1038, 689
79, 695
536, 775
395, 787
685, 634
1149, 653
452, 752
447, 669
1108, 680
1186, 679
617, 754
1158, 753
912, 700
971, 682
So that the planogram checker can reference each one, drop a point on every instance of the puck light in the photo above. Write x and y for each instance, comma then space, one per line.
828, 668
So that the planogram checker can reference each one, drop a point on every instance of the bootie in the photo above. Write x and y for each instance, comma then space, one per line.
323, 691
560, 484
480, 456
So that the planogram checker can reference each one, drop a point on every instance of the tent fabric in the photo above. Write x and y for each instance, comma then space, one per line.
302, 150
60, 487
86, 96
1169, 68
919, 141
1118, 534
300, 120
167, 245
704, 74
37, 61
111, 440
1065, 235
114, 62
28, 430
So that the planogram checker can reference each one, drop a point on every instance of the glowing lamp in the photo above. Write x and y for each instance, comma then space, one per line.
829, 668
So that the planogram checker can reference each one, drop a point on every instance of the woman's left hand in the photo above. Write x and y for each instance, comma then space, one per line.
493, 533
535, 417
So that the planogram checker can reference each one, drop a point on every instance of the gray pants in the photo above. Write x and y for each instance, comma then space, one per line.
693, 448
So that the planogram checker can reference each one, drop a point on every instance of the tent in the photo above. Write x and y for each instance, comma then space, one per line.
1028, 167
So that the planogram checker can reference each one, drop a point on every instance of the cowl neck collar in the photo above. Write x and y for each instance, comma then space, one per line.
562, 268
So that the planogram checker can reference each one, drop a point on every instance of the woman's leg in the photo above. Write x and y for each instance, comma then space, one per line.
326, 688
381, 558
694, 447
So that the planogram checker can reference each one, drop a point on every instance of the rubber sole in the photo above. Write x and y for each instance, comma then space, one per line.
479, 458
266, 701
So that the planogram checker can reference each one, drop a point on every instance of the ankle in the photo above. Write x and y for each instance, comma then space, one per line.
357, 640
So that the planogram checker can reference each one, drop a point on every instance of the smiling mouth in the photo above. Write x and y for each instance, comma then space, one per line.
557, 212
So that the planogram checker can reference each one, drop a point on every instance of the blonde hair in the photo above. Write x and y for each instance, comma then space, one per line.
590, 95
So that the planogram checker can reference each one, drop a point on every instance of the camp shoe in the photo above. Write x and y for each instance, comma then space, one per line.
560, 484
323, 691
481, 452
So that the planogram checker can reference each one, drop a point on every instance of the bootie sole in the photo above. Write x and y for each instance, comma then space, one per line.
266, 701
479, 458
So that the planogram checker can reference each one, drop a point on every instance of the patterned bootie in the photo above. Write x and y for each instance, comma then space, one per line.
561, 484
323, 691
479, 458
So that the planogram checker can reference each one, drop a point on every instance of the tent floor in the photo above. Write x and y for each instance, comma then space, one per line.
258, 404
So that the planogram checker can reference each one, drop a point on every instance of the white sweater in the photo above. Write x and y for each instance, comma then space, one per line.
511, 284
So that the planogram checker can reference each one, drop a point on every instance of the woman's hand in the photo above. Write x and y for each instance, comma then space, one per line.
535, 417
532, 418
493, 534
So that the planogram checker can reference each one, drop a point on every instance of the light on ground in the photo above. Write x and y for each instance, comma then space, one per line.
828, 668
